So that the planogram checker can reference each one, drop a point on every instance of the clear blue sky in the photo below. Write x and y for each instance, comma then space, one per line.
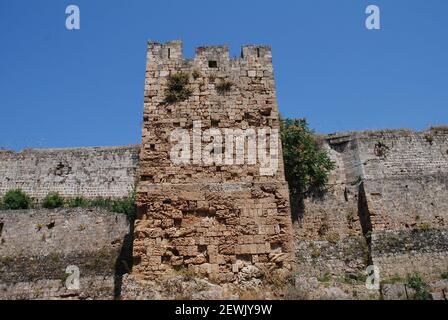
85, 88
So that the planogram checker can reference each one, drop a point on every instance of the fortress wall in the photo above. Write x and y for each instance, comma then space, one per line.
407, 184
216, 219
398, 154
36, 247
328, 233
336, 211
403, 252
394, 183
406, 188
87, 172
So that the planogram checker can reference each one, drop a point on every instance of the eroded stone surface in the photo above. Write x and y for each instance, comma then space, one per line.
390, 188
88, 172
37, 246
214, 219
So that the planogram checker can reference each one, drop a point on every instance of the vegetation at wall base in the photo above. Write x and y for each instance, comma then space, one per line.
416, 282
53, 200
16, 199
77, 202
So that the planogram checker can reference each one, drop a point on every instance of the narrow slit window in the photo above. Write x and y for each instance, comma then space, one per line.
258, 52
169, 53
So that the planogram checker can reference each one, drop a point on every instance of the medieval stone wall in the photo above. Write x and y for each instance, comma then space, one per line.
402, 252
88, 172
36, 247
229, 220
390, 188
406, 182
213, 217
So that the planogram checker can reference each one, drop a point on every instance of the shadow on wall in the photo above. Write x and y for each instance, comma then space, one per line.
124, 262
297, 207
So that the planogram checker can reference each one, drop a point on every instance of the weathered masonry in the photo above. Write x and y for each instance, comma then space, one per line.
89, 172
387, 206
214, 219
37, 246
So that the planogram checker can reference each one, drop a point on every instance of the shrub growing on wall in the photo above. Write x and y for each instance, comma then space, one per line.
125, 205
307, 166
77, 202
53, 200
16, 199
224, 86
417, 283
178, 89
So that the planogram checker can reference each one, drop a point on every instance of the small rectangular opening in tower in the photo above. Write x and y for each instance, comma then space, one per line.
258, 52
213, 64
169, 53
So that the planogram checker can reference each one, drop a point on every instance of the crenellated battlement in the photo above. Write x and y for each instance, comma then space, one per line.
215, 57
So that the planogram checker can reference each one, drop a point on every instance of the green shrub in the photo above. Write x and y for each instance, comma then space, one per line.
333, 238
125, 205
425, 226
307, 166
224, 86
101, 203
178, 89
77, 202
444, 275
326, 277
196, 74
396, 278
381, 149
429, 138
416, 282
354, 278
53, 200
350, 216
16, 199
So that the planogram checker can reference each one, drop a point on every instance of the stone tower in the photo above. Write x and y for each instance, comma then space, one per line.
219, 210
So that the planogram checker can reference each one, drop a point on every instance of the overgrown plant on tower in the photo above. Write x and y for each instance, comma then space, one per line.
224, 86
178, 89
